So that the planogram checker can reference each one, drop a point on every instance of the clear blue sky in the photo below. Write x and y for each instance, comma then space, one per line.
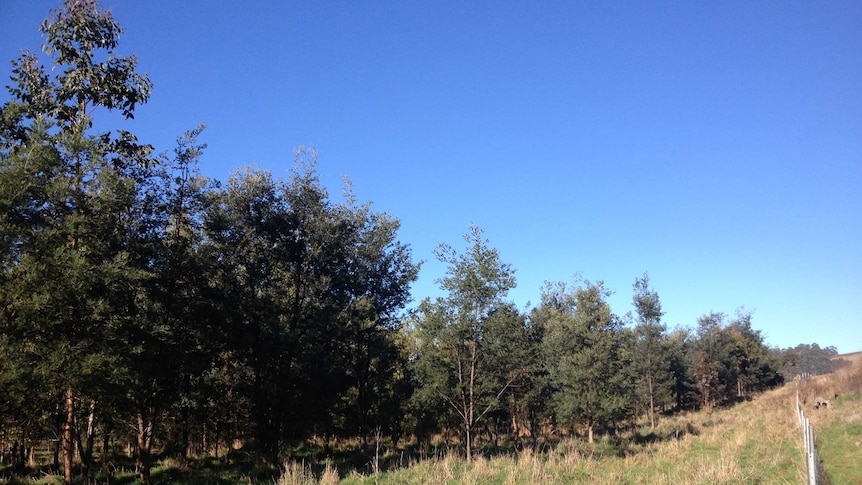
716, 145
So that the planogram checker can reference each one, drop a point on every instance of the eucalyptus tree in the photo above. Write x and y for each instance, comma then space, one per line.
808, 359
62, 187
585, 356
454, 355
377, 276
652, 358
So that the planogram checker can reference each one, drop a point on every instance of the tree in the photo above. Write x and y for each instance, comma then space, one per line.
756, 366
258, 271
314, 290
585, 355
60, 243
453, 333
808, 359
534, 392
160, 335
512, 351
651, 353
680, 349
713, 367
378, 273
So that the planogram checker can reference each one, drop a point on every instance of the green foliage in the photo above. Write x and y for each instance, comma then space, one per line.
731, 360
458, 336
314, 291
585, 356
65, 205
652, 352
808, 359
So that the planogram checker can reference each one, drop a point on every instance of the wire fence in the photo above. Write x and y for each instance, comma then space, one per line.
812, 461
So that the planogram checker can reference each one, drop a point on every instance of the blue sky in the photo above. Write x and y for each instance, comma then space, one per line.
717, 145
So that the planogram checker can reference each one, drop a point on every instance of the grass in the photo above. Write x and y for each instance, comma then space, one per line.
204, 471
838, 429
753, 442
756, 441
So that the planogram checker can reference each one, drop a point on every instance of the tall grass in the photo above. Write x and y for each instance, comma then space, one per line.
300, 473
754, 442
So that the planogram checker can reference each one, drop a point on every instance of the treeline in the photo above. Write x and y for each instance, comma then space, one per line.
568, 366
144, 305
810, 360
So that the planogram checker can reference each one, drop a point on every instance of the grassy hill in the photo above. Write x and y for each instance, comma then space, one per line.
838, 430
758, 441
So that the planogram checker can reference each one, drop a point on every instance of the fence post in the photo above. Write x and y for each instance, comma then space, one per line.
812, 457
811, 461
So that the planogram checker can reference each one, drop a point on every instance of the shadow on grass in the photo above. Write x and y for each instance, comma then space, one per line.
348, 457
668, 434
121, 471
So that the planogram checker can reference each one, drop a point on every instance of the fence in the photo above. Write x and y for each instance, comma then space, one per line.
812, 461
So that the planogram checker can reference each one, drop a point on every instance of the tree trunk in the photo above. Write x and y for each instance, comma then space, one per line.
106, 445
590, 433
185, 432
651, 401
535, 427
67, 437
472, 400
85, 449
516, 438
469, 444
205, 444
145, 443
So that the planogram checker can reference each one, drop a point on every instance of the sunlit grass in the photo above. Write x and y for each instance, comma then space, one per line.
753, 442
838, 429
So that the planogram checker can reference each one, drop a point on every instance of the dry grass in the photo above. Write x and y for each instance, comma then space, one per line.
296, 473
754, 442
757, 441
330, 475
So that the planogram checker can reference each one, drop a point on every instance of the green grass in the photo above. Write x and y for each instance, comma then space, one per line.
838, 430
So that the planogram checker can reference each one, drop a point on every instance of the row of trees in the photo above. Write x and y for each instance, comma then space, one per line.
810, 360
139, 298
137, 295
570, 363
